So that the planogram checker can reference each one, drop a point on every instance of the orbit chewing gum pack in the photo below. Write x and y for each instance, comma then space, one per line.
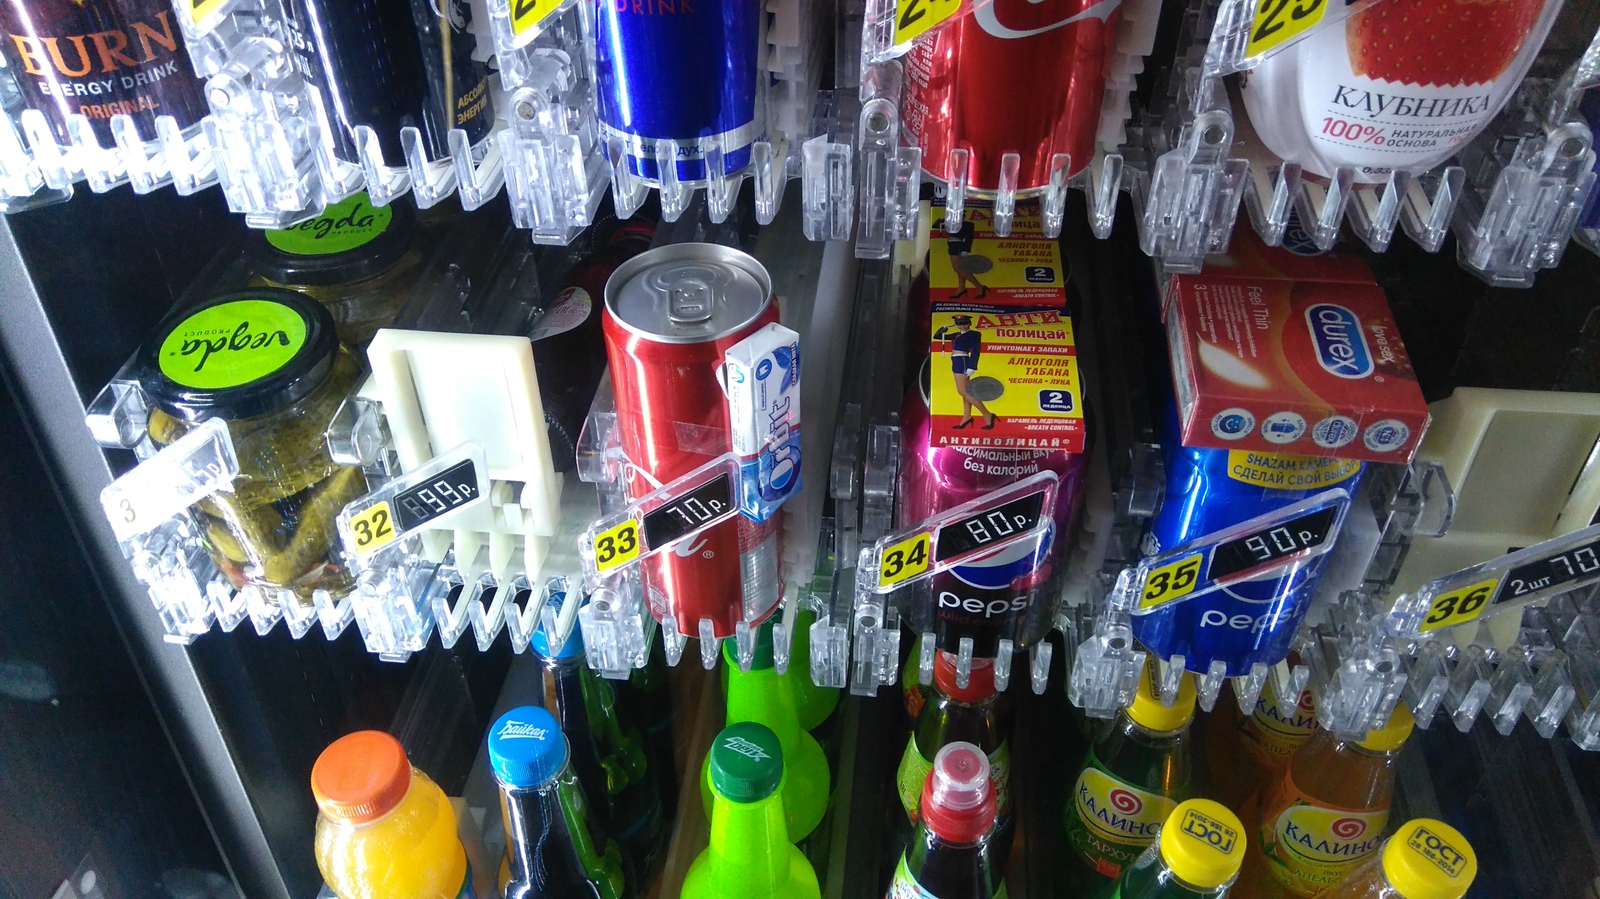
1278, 352
761, 377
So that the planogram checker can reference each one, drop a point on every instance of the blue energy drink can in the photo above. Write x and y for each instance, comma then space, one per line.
681, 70
1211, 489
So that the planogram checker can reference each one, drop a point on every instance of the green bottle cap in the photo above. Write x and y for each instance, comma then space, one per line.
763, 656
746, 762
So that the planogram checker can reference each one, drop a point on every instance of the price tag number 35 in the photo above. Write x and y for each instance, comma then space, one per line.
1458, 606
1170, 582
616, 546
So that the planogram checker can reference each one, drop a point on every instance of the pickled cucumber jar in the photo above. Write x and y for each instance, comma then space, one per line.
357, 259
267, 362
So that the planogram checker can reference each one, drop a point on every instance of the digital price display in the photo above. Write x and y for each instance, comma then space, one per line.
990, 526
449, 490
692, 510
1551, 571
1272, 544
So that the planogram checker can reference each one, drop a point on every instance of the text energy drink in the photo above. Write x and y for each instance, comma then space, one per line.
1211, 489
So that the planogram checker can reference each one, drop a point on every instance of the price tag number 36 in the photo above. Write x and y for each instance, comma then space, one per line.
1458, 606
616, 546
1171, 582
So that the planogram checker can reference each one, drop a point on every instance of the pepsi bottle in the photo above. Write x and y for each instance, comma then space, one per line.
950, 856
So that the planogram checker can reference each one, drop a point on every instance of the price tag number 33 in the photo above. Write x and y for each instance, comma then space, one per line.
616, 546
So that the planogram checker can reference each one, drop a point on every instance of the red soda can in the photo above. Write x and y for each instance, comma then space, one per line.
670, 315
1015, 76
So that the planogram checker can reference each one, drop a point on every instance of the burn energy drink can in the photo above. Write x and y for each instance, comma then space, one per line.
101, 58
670, 316
681, 70
1016, 76
1211, 489
1007, 595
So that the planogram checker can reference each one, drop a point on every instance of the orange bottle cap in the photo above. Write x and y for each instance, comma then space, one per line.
361, 777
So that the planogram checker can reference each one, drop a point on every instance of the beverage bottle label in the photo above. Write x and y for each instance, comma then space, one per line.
1275, 730
1112, 821
1310, 846
905, 886
914, 769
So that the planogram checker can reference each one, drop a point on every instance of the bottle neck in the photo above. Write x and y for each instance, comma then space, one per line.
759, 695
751, 840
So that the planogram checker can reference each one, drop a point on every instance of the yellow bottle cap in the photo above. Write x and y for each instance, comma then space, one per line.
1428, 859
1147, 709
1203, 843
1392, 735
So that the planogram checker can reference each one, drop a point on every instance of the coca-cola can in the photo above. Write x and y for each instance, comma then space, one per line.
1009, 595
670, 315
1015, 76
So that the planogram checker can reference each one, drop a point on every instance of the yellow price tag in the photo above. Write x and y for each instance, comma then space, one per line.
1172, 581
527, 14
200, 9
905, 560
914, 18
1277, 22
1459, 606
617, 546
373, 529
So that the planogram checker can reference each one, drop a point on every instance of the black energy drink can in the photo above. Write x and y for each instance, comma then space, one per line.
379, 65
101, 58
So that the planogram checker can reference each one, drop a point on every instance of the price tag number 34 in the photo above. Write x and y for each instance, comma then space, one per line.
905, 560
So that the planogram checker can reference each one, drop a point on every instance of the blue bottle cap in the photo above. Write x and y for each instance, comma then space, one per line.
526, 747
540, 642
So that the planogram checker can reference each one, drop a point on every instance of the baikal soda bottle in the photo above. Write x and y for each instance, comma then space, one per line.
1425, 859
1197, 856
554, 847
973, 714
606, 752
1324, 814
949, 856
750, 856
1136, 772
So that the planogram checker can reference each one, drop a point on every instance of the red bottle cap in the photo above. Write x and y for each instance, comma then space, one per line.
361, 777
980, 682
958, 799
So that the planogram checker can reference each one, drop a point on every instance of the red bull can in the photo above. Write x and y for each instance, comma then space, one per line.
1016, 76
1007, 595
671, 314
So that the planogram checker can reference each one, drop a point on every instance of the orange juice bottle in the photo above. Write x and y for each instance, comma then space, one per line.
386, 831
1324, 814
1425, 859
1244, 751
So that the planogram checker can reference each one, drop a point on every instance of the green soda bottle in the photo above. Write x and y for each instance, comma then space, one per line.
1198, 855
1136, 772
750, 856
813, 703
762, 696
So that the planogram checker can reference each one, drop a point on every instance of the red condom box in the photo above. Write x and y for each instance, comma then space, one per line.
1275, 351
1004, 367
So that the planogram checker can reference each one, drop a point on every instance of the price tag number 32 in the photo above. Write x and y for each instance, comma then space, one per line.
373, 528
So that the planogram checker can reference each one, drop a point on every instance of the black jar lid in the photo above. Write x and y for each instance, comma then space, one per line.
238, 355
351, 240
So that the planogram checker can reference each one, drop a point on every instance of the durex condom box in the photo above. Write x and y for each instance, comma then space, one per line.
1278, 352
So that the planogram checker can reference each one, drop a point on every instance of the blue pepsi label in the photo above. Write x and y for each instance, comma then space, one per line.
1249, 621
